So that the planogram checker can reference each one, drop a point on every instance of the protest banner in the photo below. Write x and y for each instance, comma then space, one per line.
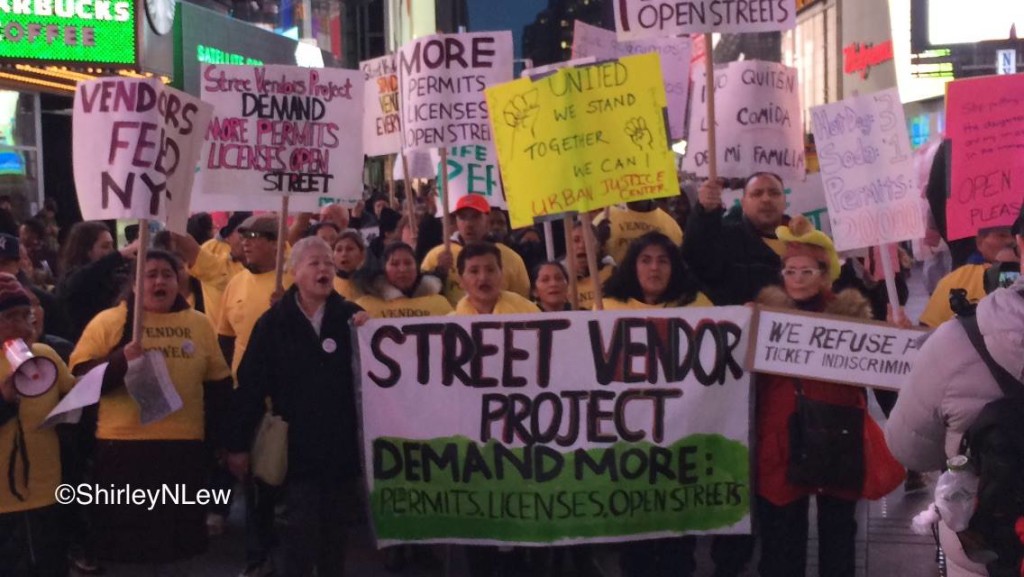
422, 164
759, 122
382, 130
583, 138
281, 130
867, 170
675, 55
442, 79
653, 18
986, 125
471, 170
135, 146
835, 349
642, 432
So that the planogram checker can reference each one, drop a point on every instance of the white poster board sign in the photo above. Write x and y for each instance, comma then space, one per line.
421, 164
283, 130
829, 348
382, 130
135, 146
471, 170
653, 18
759, 122
442, 79
868, 171
675, 55
620, 409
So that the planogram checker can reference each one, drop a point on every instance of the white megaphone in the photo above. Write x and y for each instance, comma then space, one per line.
33, 376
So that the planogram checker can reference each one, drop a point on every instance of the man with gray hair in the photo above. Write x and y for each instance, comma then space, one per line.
300, 356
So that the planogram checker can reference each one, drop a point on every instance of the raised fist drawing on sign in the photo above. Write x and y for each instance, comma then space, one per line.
521, 113
636, 129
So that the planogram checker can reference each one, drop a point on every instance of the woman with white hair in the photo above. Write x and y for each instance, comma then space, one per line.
300, 356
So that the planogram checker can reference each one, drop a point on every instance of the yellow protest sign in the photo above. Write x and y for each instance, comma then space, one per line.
583, 138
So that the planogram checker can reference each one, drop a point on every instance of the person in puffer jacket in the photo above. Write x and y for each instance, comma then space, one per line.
948, 387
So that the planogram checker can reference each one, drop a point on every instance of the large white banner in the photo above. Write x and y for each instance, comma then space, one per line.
759, 122
867, 168
592, 41
382, 130
135, 145
282, 130
442, 80
557, 428
648, 18
867, 354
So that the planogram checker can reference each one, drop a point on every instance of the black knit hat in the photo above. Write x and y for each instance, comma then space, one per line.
388, 220
234, 220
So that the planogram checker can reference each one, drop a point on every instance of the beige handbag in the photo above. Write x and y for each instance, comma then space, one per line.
270, 450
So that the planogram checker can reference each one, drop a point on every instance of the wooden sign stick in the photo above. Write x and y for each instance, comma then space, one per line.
140, 270
282, 232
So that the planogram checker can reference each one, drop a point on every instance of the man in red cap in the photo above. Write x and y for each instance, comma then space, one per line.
471, 220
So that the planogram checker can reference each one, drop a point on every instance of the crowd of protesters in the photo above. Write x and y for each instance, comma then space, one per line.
235, 345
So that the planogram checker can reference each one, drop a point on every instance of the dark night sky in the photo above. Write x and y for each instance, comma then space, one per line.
486, 15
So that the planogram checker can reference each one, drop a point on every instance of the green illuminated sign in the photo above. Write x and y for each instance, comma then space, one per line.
73, 31
211, 55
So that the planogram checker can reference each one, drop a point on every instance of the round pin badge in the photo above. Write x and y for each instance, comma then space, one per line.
330, 346
188, 347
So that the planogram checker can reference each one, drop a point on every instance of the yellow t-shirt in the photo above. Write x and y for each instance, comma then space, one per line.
508, 303
42, 445
246, 298
585, 287
516, 278
190, 349
214, 268
346, 288
629, 225
611, 304
970, 277
425, 306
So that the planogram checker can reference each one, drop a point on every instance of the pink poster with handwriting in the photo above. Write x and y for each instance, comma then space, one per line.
985, 121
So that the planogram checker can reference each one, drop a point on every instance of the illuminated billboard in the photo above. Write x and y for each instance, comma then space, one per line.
69, 31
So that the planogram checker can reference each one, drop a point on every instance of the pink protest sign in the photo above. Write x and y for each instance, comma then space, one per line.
985, 119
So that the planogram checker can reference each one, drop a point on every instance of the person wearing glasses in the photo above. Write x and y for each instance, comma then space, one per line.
809, 267
248, 294
735, 253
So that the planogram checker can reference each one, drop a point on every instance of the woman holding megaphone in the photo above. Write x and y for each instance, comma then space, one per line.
32, 380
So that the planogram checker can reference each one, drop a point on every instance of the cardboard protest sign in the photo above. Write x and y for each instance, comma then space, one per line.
985, 123
837, 349
382, 130
442, 79
422, 164
652, 18
283, 130
640, 429
675, 55
135, 147
471, 170
760, 126
233, 202
583, 138
868, 170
